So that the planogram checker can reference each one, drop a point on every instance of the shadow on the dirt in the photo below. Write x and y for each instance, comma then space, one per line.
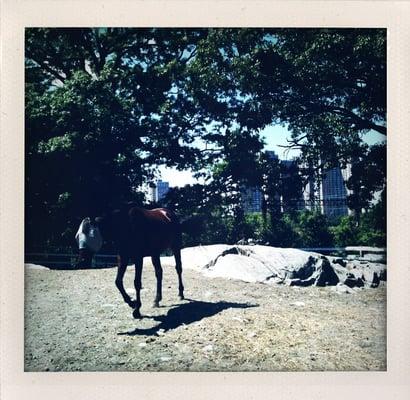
185, 314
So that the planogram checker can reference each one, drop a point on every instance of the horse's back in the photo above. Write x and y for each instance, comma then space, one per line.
154, 230
162, 214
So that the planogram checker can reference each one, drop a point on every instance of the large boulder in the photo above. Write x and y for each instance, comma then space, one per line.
355, 273
280, 265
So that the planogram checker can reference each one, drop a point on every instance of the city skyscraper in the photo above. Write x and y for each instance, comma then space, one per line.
327, 194
251, 199
334, 194
162, 189
156, 192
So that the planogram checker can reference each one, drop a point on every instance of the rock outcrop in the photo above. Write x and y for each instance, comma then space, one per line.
292, 267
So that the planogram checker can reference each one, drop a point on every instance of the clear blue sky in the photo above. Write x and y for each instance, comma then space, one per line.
274, 136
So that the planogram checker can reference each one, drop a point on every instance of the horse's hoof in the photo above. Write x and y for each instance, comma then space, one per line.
136, 314
156, 304
181, 297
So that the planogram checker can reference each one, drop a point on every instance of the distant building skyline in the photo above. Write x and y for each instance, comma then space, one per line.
158, 190
334, 194
328, 195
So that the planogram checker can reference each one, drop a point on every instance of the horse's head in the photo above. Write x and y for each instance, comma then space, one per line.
89, 236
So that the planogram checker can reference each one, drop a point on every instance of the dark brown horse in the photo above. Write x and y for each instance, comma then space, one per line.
138, 233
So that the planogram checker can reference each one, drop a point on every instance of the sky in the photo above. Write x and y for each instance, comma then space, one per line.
275, 136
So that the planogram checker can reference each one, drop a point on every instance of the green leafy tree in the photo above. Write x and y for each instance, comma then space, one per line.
313, 230
327, 85
291, 186
108, 105
203, 215
237, 168
346, 232
368, 177
370, 231
373, 224
103, 106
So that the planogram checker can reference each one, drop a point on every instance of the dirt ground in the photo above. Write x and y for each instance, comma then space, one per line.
77, 321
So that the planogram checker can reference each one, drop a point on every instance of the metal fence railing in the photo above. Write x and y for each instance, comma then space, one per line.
364, 253
68, 260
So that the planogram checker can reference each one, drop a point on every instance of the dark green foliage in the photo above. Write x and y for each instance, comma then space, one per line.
346, 232
103, 106
281, 232
313, 230
369, 231
106, 106
328, 85
368, 177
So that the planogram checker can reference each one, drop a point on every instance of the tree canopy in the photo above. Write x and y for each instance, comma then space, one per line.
327, 85
106, 106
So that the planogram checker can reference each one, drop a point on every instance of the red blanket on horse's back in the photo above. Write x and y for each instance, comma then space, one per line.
160, 214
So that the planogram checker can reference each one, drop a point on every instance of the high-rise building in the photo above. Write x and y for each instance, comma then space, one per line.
334, 194
162, 189
156, 192
327, 194
251, 199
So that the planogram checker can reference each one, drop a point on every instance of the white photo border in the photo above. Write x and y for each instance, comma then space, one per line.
16, 15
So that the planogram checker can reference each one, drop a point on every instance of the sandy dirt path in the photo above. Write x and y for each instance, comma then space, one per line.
77, 321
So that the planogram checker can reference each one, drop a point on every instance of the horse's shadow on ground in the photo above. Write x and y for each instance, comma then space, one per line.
185, 314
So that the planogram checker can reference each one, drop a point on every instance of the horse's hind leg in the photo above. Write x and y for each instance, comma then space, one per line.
178, 267
158, 273
137, 283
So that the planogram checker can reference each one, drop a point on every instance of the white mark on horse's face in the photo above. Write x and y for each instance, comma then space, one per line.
89, 236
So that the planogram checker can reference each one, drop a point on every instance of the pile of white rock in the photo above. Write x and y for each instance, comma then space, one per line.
292, 267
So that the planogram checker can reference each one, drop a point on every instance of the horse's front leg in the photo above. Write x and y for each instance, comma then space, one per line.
137, 283
156, 261
122, 267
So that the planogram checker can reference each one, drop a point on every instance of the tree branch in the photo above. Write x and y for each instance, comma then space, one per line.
362, 123
48, 69
193, 53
